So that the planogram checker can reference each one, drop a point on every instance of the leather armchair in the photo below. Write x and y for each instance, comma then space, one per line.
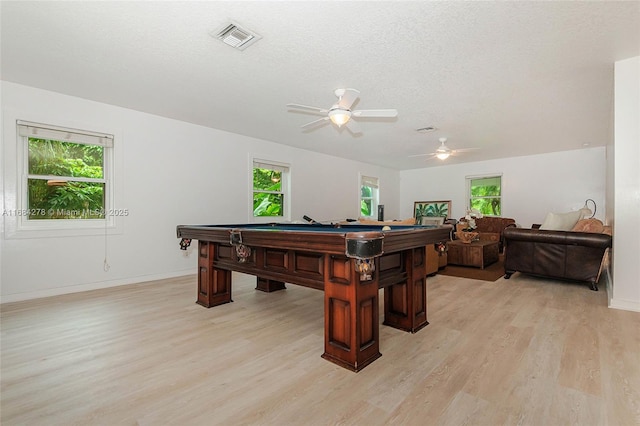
492, 228
566, 255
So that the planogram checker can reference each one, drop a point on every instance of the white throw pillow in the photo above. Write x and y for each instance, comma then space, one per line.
561, 221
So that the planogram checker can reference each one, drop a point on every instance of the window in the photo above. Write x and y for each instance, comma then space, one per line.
485, 194
270, 190
368, 196
65, 177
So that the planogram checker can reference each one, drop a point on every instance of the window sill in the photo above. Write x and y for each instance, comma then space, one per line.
13, 230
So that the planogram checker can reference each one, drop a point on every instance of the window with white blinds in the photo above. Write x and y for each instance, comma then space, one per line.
65, 176
368, 196
485, 194
270, 190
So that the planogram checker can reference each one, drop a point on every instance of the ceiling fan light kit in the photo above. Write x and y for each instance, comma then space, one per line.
443, 152
341, 114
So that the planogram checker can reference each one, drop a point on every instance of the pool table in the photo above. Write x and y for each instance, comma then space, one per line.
348, 262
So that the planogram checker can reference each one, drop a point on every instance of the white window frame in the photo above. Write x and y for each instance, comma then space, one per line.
372, 182
285, 170
485, 176
16, 178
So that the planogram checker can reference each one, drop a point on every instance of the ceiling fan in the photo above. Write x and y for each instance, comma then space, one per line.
341, 114
443, 152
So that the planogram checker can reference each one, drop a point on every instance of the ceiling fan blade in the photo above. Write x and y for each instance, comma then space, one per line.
375, 113
314, 122
353, 127
464, 149
348, 98
308, 108
422, 155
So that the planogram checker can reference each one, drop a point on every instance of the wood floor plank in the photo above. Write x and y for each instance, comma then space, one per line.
464, 409
580, 363
574, 407
521, 351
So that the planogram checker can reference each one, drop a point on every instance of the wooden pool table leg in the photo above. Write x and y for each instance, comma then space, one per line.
268, 286
214, 285
351, 328
405, 303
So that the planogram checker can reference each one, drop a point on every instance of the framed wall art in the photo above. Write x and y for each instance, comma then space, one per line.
431, 209
432, 220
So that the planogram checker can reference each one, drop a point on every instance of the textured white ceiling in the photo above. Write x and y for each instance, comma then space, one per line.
509, 78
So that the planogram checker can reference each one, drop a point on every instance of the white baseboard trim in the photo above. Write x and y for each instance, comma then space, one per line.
92, 286
609, 287
625, 305
622, 304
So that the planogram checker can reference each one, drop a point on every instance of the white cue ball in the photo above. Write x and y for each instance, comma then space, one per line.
386, 228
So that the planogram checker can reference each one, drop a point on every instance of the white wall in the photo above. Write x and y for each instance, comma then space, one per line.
179, 173
626, 177
532, 186
172, 173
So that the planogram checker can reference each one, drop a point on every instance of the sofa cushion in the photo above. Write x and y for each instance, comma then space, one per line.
489, 236
589, 225
491, 224
561, 221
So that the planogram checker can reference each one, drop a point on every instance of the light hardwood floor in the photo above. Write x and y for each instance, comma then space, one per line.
520, 351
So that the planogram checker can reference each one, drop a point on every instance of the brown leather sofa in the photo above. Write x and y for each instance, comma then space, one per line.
492, 228
566, 255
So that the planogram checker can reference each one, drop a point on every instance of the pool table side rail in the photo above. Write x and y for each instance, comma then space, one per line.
326, 242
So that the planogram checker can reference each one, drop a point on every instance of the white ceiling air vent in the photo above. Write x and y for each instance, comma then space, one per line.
235, 36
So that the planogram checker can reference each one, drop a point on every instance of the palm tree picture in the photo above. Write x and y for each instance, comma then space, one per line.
431, 209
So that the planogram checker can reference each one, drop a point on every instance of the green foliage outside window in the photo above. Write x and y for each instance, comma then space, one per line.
268, 199
366, 201
365, 208
486, 195
65, 198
